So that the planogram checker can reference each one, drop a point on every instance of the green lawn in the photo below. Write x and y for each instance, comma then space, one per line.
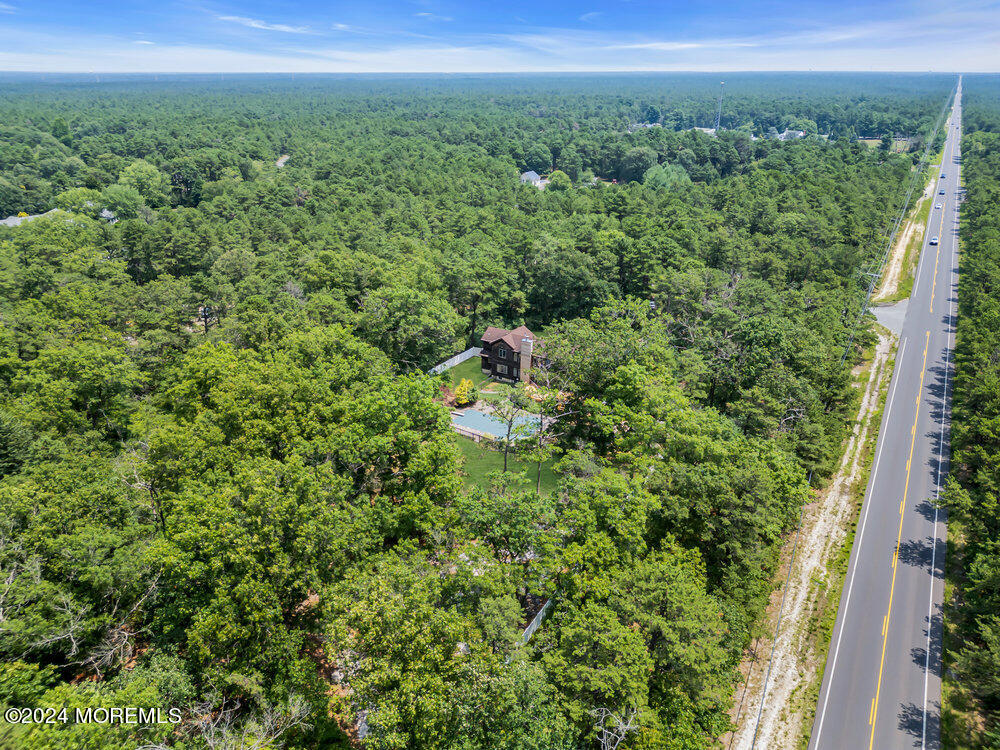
480, 461
470, 369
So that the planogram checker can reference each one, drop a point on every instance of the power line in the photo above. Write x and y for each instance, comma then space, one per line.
781, 611
847, 346
718, 112
884, 256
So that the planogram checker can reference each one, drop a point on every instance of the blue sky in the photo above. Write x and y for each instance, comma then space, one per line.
512, 35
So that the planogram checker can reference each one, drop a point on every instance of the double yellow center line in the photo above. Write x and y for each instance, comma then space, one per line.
899, 539
937, 257
944, 206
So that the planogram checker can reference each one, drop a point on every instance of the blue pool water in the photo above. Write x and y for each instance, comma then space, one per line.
474, 419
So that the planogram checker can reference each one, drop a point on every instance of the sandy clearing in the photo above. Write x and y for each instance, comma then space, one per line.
894, 268
825, 524
791, 664
281, 160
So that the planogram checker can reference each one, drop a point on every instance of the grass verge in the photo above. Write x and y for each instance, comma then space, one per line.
911, 257
920, 217
961, 725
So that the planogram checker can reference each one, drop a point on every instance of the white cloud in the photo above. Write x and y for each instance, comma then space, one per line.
968, 40
5, 8
254, 23
592, 16
142, 41
345, 28
433, 16
670, 46
484, 58
903, 40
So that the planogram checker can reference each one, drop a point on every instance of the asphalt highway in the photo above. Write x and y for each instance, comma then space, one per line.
881, 685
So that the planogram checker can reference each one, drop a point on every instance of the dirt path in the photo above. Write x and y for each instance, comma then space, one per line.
894, 268
825, 524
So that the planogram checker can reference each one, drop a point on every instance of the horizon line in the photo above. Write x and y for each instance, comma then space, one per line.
617, 71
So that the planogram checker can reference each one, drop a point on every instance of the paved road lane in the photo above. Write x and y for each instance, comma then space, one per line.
881, 687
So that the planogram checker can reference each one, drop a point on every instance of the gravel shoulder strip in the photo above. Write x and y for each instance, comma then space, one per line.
799, 652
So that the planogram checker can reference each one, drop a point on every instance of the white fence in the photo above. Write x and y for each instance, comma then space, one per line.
456, 360
478, 436
536, 623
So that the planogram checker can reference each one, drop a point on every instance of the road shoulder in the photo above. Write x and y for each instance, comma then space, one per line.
812, 592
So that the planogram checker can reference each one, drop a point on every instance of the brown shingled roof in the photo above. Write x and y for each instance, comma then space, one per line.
492, 334
512, 339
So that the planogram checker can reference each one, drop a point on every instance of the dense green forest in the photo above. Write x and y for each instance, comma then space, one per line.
227, 485
973, 495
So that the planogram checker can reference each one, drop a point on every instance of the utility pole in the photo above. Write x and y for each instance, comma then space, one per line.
718, 112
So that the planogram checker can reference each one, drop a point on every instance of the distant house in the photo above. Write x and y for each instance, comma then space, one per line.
791, 135
16, 221
533, 178
510, 355
642, 125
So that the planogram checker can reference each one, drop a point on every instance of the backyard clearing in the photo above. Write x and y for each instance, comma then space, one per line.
470, 369
480, 460
812, 591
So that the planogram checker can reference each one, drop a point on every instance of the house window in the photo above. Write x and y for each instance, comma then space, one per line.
502, 353
515, 374
501, 369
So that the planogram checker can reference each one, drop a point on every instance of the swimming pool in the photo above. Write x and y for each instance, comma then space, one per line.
473, 419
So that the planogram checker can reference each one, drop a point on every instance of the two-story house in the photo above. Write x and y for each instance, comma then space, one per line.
510, 355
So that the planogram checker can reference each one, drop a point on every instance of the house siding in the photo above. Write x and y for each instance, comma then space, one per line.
502, 361
498, 355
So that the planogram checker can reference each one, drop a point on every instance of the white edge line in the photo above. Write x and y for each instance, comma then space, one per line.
937, 490
861, 534
864, 519
924, 245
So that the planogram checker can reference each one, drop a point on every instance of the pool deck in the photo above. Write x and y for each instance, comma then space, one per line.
478, 416
468, 432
